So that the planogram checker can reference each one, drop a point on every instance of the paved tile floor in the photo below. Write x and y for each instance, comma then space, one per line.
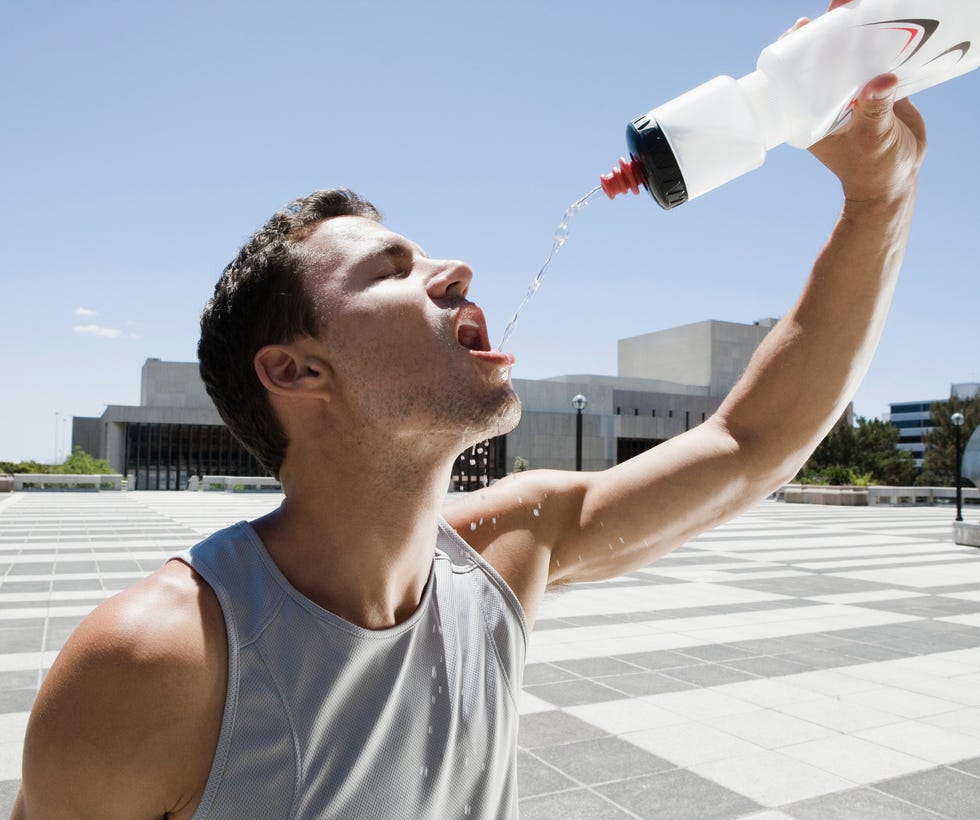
799, 662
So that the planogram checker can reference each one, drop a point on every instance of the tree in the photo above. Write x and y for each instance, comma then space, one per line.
939, 464
877, 453
81, 463
859, 453
24, 467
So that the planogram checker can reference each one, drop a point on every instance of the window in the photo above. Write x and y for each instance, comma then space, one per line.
479, 465
165, 456
626, 448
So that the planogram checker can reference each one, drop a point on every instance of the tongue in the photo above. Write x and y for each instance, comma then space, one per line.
469, 337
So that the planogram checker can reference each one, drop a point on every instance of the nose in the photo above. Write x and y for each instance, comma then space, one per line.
450, 278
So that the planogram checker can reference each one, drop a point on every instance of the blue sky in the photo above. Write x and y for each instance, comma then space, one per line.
143, 143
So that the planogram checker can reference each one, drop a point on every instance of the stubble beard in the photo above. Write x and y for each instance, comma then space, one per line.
443, 419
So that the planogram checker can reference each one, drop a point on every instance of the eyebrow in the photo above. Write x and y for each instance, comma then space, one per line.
396, 249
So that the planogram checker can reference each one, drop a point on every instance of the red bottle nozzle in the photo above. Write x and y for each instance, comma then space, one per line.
627, 177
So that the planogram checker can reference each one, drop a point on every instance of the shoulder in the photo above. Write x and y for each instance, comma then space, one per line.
515, 523
131, 709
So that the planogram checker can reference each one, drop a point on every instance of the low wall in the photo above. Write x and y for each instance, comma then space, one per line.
872, 496
819, 494
56, 481
234, 483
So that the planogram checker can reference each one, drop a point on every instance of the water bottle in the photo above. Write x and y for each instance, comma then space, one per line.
804, 88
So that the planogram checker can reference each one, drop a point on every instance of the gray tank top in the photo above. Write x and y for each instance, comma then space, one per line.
326, 719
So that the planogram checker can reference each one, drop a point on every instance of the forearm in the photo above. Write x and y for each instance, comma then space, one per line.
808, 367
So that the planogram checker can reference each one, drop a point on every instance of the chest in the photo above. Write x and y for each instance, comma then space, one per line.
329, 724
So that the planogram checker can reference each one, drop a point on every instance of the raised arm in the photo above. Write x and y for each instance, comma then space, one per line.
553, 527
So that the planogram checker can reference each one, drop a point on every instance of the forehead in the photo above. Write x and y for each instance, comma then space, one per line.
347, 240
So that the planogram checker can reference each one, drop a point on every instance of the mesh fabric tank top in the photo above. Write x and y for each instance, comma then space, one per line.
326, 719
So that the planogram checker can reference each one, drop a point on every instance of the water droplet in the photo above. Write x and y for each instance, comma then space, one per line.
610, 547
536, 512
440, 690
472, 525
621, 541
520, 500
494, 521
430, 728
472, 461
433, 673
466, 809
481, 522
561, 236
558, 562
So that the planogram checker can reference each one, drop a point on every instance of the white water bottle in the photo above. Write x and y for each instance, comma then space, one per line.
804, 88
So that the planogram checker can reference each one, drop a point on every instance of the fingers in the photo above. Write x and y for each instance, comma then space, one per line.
797, 25
909, 114
875, 103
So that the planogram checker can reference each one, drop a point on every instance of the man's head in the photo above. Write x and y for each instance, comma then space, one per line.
263, 298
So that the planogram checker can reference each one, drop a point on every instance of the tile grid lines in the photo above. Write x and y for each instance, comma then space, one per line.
790, 670
579, 785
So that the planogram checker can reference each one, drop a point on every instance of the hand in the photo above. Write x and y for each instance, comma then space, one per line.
878, 152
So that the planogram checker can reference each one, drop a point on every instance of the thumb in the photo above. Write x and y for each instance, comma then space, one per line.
875, 103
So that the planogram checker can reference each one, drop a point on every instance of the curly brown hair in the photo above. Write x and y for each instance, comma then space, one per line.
262, 299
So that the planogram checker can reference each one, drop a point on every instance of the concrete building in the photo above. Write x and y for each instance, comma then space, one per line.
174, 433
669, 381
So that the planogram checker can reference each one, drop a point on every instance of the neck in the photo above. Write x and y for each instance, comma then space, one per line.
357, 529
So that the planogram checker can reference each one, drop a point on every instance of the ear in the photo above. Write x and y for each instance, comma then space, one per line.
286, 370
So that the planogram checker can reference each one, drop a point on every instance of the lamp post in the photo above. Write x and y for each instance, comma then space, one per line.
579, 403
957, 419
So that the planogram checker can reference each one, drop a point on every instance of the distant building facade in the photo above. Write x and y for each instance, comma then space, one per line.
669, 381
914, 419
174, 433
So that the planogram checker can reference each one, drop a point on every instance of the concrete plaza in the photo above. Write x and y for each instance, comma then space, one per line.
799, 662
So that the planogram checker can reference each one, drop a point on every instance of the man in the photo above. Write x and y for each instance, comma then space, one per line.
349, 655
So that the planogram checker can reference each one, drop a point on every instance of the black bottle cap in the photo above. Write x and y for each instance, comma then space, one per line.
649, 147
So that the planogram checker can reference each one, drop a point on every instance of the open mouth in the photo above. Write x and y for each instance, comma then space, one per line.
471, 328
471, 333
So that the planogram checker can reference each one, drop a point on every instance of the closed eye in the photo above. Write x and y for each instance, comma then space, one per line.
399, 272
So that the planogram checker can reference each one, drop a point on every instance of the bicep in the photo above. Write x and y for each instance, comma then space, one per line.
547, 527
637, 511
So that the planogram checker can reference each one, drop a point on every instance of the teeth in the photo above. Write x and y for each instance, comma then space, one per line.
470, 333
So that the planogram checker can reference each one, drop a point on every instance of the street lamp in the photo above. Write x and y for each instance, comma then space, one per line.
957, 419
579, 403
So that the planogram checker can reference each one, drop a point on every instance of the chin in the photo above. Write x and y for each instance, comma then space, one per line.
506, 415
